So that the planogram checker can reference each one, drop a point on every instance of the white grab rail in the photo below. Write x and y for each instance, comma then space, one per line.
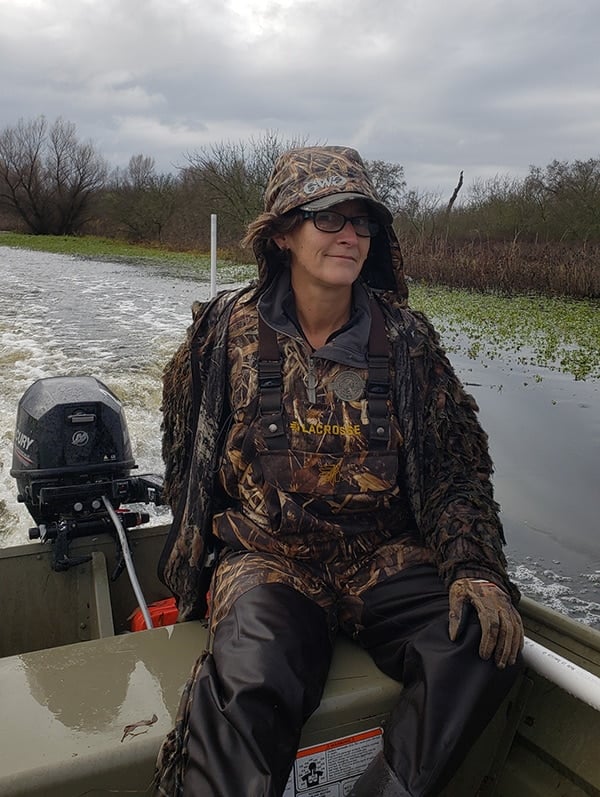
571, 677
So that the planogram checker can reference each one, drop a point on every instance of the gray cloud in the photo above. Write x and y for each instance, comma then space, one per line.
486, 87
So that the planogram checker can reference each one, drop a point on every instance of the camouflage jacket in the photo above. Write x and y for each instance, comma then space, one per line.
446, 460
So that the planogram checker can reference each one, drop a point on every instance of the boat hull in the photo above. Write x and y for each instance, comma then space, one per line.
86, 703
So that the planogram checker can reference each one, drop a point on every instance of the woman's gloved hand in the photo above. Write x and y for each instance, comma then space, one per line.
501, 625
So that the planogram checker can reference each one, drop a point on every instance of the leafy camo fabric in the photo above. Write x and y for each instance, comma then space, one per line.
447, 464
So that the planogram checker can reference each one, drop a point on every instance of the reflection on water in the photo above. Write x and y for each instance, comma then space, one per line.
120, 323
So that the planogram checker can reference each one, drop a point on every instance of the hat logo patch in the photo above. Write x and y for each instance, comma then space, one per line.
333, 181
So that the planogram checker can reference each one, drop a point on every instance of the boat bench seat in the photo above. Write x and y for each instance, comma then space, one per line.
70, 708
88, 718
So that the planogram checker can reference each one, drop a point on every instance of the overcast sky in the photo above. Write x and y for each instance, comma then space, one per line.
488, 86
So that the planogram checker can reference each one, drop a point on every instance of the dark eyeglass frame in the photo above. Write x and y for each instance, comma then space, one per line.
369, 231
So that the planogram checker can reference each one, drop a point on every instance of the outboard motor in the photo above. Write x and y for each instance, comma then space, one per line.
71, 454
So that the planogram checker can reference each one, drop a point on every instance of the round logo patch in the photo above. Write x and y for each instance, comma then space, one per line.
348, 386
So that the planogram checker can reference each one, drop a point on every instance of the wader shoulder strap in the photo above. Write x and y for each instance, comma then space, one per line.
378, 382
270, 387
270, 384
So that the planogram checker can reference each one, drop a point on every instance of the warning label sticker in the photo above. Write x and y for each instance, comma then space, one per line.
330, 769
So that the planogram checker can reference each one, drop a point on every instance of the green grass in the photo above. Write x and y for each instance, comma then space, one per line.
95, 248
88, 246
546, 332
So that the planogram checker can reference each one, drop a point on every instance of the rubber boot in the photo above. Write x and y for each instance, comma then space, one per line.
378, 780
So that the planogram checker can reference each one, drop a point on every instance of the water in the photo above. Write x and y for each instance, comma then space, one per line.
545, 444
63, 316
121, 322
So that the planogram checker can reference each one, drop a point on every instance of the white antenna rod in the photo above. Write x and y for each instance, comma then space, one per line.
213, 254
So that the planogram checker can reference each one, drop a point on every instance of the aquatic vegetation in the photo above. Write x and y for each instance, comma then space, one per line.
548, 332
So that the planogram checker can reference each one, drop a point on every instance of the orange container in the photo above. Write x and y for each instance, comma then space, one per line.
161, 613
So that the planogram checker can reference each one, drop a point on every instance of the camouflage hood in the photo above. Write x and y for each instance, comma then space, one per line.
316, 178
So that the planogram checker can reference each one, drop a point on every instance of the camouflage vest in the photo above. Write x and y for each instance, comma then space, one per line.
314, 449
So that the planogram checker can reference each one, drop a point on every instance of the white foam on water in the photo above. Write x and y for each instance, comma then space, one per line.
561, 593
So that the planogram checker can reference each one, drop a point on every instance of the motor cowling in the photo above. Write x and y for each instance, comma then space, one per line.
71, 446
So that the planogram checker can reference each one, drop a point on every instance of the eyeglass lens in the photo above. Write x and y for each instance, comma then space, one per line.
330, 221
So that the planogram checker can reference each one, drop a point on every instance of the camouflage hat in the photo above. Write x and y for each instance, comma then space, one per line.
316, 178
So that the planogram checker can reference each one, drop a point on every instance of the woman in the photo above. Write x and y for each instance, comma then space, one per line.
327, 472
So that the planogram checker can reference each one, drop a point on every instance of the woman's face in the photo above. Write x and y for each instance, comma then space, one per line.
327, 259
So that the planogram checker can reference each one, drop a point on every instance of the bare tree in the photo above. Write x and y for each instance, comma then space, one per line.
140, 172
417, 215
569, 194
497, 208
389, 182
454, 196
231, 177
142, 201
48, 177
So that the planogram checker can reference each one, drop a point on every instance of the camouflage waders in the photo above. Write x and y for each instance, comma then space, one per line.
291, 576
269, 664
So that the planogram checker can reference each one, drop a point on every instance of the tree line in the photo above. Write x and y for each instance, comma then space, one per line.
53, 183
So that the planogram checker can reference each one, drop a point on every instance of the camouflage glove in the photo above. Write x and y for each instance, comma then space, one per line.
501, 626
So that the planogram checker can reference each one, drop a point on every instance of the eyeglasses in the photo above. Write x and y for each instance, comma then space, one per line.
330, 221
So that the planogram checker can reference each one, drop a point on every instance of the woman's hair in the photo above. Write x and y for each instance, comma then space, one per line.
260, 232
